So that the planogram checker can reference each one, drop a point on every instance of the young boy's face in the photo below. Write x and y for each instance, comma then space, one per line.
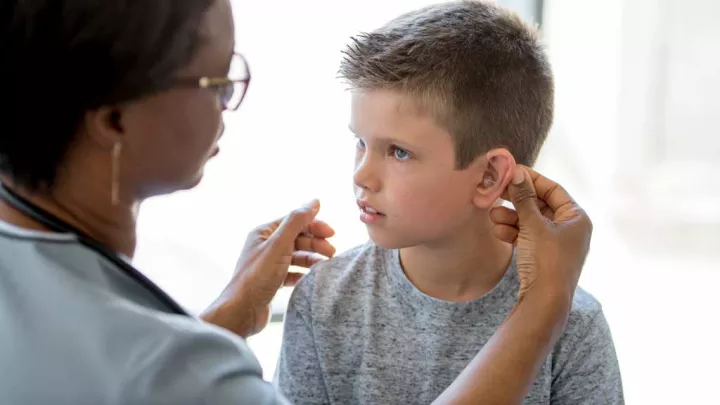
408, 189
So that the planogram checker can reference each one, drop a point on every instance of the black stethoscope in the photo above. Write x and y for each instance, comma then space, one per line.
57, 225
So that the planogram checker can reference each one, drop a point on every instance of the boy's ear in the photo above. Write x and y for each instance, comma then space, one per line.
495, 172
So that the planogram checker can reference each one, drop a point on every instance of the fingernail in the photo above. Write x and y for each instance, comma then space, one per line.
519, 176
313, 205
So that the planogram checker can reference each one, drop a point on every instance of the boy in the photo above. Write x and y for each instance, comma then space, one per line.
446, 100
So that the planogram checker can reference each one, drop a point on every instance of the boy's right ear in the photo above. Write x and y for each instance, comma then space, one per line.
496, 171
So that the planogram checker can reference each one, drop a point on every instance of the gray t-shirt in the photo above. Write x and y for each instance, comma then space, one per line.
75, 330
358, 332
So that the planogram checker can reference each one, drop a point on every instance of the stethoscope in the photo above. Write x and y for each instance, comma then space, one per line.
57, 225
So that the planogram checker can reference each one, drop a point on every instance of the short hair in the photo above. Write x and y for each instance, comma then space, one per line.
62, 58
477, 67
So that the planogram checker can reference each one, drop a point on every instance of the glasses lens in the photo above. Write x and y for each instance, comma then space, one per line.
226, 92
238, 68
240, 75
236, 95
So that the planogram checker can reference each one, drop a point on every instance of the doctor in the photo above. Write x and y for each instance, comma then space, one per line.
109, 103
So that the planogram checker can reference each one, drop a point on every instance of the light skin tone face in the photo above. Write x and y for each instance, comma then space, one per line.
405, 169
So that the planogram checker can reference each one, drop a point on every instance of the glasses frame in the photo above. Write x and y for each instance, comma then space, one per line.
215, 83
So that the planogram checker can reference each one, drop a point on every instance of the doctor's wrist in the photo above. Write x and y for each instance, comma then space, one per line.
232, 314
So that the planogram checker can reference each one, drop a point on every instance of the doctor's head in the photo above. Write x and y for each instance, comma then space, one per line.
124, 98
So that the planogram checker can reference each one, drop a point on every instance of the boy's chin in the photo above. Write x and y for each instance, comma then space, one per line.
386, 241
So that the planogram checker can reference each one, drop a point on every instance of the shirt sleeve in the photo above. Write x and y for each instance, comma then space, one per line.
585, 365
299, 374
185, 361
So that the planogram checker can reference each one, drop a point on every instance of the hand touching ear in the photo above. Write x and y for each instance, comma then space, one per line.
550, 230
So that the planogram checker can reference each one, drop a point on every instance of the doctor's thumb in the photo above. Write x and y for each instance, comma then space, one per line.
524, 197
294, 223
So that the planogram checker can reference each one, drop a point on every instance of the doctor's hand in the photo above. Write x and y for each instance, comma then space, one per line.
298, 239
551, 233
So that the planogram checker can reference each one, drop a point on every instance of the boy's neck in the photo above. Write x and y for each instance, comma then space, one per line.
462, 269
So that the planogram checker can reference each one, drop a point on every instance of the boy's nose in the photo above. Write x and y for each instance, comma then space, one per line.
364, 176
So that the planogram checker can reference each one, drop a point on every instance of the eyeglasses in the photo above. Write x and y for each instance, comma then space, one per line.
231, 89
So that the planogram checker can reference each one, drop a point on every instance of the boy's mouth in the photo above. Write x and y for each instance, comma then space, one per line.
368, 214
365, 207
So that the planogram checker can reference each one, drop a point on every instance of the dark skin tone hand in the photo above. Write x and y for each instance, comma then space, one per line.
264, 267
552, 223
551, 234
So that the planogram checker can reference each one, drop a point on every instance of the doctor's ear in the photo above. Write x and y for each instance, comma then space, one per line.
495, 171
104, 125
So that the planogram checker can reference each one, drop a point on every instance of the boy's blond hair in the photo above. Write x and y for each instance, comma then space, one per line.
477, 67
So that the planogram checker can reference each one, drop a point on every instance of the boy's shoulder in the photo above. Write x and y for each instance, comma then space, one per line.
356, 273
585, 307
351, 272
586, 326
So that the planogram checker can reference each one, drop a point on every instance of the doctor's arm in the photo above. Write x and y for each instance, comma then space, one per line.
551, 233
552, 237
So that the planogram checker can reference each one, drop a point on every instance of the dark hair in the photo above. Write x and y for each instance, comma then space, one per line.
62, 58
478, 68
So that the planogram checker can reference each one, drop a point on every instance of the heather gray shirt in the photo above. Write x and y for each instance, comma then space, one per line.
75, 330
358, 332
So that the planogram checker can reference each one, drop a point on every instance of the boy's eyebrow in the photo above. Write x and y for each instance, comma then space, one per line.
387, 140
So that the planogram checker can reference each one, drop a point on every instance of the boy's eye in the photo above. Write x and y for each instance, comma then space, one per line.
400, 153
360, 144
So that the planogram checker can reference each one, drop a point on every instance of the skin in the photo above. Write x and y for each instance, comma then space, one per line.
436, 214
168, 138
552, 235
